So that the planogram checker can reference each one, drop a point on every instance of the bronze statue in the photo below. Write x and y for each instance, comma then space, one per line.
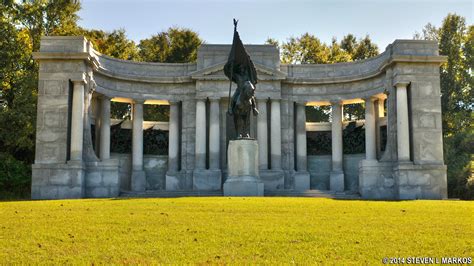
241, 70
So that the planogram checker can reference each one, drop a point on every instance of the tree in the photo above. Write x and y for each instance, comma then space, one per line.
274, 42
337, 54
176, 45
429, 32
365, 49
349, 43
115, 43
21, 26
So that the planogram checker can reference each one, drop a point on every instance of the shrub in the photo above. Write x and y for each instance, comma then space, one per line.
15, 177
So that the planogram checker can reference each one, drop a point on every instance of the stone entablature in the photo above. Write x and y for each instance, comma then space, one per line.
72, 74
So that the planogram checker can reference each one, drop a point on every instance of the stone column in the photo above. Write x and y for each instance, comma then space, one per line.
77, 120
200, 159
380, 107
214, 135
138, 175
379, 113
336, 181
301, 153
403, 137
275, 123
370, 137
173, 138
105, 128
262, 134
302, 178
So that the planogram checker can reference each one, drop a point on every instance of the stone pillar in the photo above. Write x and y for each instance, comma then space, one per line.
173, 138
207, 179
380, 107
336, 181
302, 178
301, 154
403, 137
214, 135
138, 175
275, 123
370, 137
379, 113
77, 120
105, 128
200, 159
262, 133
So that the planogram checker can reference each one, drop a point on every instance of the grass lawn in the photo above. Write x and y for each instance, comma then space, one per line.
232, 230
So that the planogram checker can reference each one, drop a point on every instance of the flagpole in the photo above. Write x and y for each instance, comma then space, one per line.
231, 70
230, 86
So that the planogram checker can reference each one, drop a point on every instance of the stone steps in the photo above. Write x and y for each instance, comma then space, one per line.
313, 194
170, 194
219, 193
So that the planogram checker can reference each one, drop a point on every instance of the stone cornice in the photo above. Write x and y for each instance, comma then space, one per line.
377, 71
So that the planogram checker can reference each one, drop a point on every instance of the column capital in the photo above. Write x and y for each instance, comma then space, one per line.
370, 98
214, 98
138, 101
79, 78
275, 100
301, 102
264, 100
173, 102
104, 97
401, 84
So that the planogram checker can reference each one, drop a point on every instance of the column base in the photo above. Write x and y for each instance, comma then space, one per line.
138, 180
420, 181
58, 181
102, 179
172, 181
207, 179
301, 181
272, 179
243, 186
336, 181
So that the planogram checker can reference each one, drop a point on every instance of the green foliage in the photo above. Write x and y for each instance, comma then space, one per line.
337, 54
458, 151
153, 112
274, 42
354, 111
114, 44
365, 49
318, 113
176, 45
14, 176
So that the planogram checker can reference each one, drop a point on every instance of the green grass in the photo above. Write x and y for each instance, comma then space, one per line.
232, 230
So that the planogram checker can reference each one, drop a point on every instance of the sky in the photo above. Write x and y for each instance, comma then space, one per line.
384, 20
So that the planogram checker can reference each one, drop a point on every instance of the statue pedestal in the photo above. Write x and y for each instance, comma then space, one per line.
242, 163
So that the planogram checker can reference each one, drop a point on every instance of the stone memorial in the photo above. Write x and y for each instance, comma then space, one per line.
401, 157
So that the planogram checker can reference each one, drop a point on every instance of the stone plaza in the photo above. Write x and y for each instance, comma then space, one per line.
400, 89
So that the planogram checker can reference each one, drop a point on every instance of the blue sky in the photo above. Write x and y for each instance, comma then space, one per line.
384, 20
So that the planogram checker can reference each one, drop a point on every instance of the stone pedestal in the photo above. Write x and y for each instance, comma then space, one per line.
243, 177
138, 180
336, 181
302, 181
207, 179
